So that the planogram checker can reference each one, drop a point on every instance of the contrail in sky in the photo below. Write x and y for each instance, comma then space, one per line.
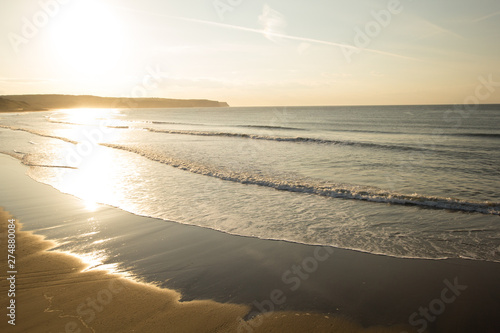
486, 17
259, 31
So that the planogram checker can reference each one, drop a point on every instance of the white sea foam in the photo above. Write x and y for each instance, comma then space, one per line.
335, 190
40, 133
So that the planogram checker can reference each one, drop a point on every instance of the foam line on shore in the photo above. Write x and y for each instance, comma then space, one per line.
64, 296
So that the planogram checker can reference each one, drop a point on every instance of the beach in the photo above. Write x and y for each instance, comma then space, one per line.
224, 279
250, 166
53, 293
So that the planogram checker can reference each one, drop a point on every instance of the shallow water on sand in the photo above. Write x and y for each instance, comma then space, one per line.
408, 181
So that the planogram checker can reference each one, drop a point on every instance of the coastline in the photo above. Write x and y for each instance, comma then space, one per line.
372, 290
60, 101
55, 293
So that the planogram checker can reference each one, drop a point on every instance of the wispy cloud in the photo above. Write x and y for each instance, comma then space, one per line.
272, 22
24, 80
438, 30
483, 18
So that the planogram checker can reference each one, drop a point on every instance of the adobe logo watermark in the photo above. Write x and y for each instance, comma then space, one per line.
31, 27
372, 29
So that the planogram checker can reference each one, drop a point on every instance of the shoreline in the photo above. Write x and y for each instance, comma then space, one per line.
63, 296
17, 158
371, 290
54, 293
20, 160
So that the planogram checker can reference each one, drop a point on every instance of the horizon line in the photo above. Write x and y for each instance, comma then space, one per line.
220, 101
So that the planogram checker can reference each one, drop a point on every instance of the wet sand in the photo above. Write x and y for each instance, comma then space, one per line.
55, 294
242, 277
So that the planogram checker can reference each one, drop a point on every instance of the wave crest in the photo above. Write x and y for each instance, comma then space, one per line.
334, 190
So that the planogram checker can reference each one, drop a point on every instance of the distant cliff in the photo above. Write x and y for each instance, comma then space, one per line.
10, 105
37, 102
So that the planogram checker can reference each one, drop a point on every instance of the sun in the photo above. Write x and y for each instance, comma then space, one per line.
88, 37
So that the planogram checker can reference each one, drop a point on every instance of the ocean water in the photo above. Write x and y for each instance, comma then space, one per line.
403, 181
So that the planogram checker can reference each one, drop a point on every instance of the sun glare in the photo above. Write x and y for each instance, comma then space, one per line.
86, 116
90, 205
92, 181
88, 37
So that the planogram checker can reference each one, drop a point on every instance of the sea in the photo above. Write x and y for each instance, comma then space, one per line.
400, 181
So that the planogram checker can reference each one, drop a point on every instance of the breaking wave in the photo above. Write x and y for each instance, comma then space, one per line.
334, 190
297, 139
40, 133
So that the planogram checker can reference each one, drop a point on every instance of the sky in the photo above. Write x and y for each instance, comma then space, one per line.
253, 52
